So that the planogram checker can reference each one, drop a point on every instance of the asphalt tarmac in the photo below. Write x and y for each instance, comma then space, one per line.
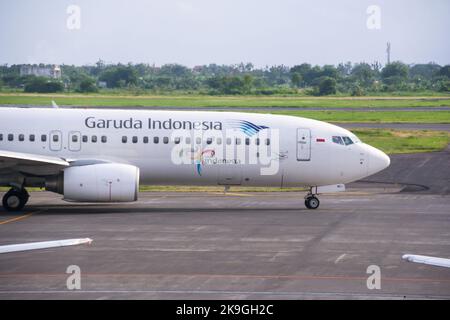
243, 245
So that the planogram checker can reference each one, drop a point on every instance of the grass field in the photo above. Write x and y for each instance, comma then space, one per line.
372, 116
223, 101
404, 141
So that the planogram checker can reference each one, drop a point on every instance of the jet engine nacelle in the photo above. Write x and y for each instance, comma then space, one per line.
106, 182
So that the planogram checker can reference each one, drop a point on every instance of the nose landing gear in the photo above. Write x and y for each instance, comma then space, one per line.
311, 201
15, 199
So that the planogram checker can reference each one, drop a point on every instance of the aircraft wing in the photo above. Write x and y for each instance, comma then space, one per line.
434, 261
30, 163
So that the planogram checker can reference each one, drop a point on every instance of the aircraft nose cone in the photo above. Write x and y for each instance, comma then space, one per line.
378, 160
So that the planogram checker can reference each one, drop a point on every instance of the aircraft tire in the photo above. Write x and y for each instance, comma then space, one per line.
15, 200
312, 202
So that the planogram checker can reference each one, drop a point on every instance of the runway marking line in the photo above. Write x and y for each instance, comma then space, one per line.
341, 257
20, 217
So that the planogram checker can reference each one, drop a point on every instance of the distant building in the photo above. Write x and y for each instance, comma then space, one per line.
53, 71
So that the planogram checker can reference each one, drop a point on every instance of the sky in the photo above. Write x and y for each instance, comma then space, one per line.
197, 32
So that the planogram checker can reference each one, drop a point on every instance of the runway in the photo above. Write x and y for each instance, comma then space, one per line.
230, 246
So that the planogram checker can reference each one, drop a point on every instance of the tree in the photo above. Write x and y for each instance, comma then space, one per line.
298, 74
301, 69
394, 73
227, 85
248, 84
327, 85
363, 74
43, 85
119, 76
444, 71
296, 79
344, 69
87, 85
424, 71
329, 71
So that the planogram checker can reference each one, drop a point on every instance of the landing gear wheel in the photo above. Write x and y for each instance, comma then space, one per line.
312, 202
307, 204
15, 200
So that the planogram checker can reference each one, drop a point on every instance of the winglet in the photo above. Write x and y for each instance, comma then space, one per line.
54, 105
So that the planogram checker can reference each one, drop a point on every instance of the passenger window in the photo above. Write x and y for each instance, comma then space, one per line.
267, 142
198, 140
104, 139
257, 141
219, 141
124, 139
55, 138
337, 140
209, 141
85, 139
32, 137
44, 138
1, 136
228, 141
247, 141
155, 140
238, 141
347, 141
177, 140
135, 139
188, 140
145, 140
74, 138
10, 137
166, 140
21, 137
94, 139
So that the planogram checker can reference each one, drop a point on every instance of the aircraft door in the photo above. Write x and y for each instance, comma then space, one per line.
303, 144
74, 141
55, 140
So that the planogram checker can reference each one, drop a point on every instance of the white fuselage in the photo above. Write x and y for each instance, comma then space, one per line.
300, 152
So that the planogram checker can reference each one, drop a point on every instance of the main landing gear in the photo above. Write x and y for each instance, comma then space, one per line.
311, 201
15, 199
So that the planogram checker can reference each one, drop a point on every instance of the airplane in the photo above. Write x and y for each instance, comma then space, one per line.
103, 155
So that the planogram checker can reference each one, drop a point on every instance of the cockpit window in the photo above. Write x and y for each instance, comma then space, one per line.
338, 140
347, 141
342, 140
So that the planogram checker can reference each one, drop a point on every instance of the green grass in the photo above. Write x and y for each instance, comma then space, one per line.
224, 101
373, 116
383, 103
404, 141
